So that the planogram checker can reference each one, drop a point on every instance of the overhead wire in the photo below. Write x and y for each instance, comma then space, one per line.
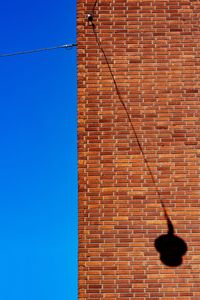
65, 46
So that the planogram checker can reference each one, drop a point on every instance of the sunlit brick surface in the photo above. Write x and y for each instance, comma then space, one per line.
153, 49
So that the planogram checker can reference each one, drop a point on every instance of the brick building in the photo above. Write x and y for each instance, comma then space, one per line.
138, 136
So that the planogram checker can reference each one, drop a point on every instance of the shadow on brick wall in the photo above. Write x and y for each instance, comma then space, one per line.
171, 247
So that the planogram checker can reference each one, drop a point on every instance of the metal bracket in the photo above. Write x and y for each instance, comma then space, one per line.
90, 19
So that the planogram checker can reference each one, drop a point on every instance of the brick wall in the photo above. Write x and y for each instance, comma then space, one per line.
145, 54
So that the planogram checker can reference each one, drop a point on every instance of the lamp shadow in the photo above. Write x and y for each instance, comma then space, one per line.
171, 247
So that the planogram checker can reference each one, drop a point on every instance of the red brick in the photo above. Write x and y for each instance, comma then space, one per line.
152, 48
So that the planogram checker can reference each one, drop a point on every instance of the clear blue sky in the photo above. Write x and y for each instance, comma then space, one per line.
38, 158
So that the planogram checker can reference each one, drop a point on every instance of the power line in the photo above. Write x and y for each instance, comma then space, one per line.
65, 46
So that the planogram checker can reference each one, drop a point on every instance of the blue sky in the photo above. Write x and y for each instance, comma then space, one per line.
38, 156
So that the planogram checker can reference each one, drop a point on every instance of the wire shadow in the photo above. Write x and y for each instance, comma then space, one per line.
170, 246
